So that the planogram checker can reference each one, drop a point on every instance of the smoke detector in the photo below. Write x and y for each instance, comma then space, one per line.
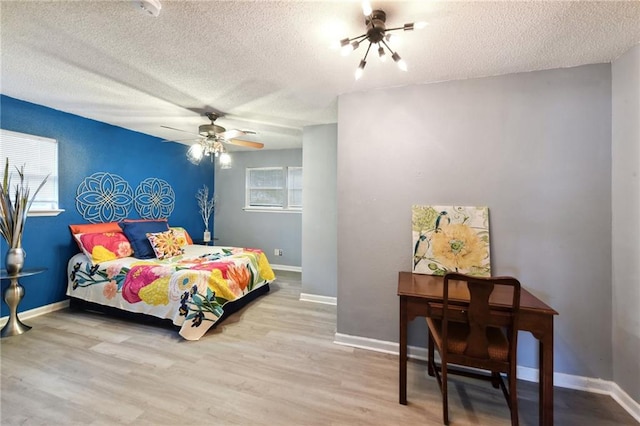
151, 7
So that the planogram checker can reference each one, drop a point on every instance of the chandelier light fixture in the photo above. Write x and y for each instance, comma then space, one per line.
206, 147
377, 34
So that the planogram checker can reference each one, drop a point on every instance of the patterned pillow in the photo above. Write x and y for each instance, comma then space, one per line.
165, 244
183, 237
104, 246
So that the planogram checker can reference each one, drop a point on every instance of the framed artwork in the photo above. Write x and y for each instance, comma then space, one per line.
451, 239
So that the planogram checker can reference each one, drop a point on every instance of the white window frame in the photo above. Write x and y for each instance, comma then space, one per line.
12, 146
290, 204
285, 208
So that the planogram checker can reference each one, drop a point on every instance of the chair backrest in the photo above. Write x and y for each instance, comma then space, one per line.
480, 312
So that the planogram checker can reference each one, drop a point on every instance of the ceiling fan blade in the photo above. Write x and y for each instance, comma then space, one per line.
179, 140
230, 134
179, 130
249, 144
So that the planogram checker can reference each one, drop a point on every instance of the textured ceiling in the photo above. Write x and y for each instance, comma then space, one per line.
269, 65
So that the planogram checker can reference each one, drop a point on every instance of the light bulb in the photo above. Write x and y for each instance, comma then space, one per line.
420, 25
348, 48
399, 61
360, 69
366, 8
381, 54
391, 39
225, 159
195, 153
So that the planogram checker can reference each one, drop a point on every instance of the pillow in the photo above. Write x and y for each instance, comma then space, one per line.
136, 233
182, 236
103, 246
92, 228
165, 244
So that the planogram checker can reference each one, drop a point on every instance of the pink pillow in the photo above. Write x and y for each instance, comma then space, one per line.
104, 246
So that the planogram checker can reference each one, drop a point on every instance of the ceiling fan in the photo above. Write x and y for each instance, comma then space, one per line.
212, 139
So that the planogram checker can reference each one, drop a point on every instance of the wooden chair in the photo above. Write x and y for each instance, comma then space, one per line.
468, 331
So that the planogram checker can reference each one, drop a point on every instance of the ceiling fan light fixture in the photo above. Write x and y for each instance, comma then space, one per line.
213, 140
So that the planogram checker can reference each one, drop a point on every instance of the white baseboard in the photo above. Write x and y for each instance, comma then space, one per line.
588, 384
25, 315
286, 268
562, 380
316, 298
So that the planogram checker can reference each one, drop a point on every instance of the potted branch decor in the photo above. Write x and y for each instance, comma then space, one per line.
206, 206
13, 215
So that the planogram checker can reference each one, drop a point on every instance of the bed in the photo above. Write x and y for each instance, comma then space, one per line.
192, 287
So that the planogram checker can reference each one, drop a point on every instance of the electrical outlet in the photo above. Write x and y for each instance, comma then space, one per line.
277, 252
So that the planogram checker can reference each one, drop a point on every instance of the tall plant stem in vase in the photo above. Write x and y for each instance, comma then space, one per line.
206, 206
13, 213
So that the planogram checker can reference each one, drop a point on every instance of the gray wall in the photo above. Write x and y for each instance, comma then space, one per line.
319, 219
626, 227
534, 147
267, 231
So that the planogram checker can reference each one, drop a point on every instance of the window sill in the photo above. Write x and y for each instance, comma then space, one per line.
257, 210
44, 213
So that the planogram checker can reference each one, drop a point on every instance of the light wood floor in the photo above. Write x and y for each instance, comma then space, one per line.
273, 363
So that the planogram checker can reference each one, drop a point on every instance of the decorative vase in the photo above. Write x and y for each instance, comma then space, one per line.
207, 236
15, 260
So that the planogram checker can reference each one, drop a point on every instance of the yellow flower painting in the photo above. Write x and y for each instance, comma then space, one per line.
451, 239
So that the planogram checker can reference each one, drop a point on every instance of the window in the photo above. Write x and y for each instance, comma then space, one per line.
294, 185
274, 188
40, 158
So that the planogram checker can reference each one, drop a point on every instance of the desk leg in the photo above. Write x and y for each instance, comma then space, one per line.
13, 295
403, 350
546, 377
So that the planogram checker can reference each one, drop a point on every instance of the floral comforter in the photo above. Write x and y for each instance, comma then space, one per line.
190, 289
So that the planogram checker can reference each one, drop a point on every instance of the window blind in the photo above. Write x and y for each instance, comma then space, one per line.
265, 187
39, 156
294, 183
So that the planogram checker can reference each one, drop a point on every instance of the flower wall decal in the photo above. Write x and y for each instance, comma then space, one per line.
154, 199
104, 197
451, 239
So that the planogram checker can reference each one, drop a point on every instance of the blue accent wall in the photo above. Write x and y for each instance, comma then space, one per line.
85, 147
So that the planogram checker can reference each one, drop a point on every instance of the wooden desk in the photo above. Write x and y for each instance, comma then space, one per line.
417, 291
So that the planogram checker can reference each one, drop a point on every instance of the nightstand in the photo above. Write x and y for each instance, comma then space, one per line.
211, 242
